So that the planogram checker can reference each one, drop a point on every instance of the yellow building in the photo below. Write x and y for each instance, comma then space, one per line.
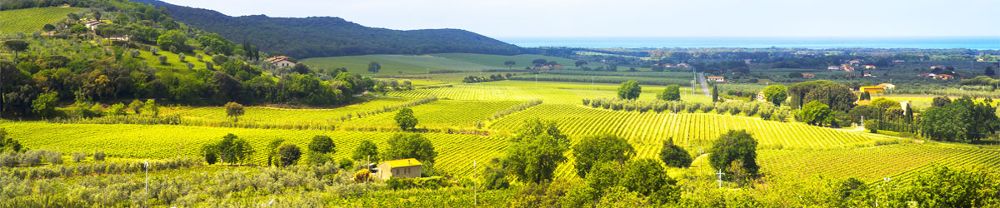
403, 168
873, 89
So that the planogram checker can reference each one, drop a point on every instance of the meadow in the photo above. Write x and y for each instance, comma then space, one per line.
27, 21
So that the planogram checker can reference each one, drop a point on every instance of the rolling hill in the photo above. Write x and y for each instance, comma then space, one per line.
417, 64
332, 36
31, 20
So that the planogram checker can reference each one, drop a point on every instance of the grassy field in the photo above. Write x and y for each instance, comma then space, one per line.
30, 20
274, 116
423, 64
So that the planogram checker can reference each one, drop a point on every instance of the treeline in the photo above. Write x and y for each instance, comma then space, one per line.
492, 77
330, 36
765, 110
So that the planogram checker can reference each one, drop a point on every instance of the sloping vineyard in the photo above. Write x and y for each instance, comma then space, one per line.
872, 164
280, 116
456, 152
455, 114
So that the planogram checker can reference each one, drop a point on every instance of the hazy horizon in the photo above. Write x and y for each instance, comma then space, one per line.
647, 18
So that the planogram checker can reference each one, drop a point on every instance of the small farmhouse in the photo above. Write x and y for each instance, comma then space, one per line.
833, 68
872, 89
280, 62
403, 168
808, 75
716, 78
870, 67
92, 24
847, 68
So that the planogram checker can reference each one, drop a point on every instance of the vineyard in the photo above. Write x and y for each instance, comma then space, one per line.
871, 163
455, 152
31, 20
440, 114
270, 115
549, 92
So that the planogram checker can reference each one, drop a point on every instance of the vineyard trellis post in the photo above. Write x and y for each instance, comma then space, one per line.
720, 177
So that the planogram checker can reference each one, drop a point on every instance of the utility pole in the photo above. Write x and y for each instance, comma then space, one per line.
720, 177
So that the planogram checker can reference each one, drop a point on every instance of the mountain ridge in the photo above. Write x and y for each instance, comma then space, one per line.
333, 36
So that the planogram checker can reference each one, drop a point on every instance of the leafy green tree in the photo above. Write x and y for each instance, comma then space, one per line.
234, 110
671, 93
16, 46
647, 177
289, 154
45, 104
596, 149
8, 144
674, 156
866, 96
735, 146
366, 151
272, 151
798, 91
776, 94
629, 90
234, 150
174, 41
509, 64
940, 101
815, 113
209, 151
322, 144
374, 67
537, 150
117, 109
405, 119
837, 96
604, 175
150, 108
415, 146
494, 176
715, 93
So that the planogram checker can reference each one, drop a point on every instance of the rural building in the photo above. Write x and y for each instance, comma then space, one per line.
716, 78
887, 86
833, 68
854, 62
872, 89
870, 67
944, 77
682, 65
808, 75
280, 62
403, 168
92, 24
847, 68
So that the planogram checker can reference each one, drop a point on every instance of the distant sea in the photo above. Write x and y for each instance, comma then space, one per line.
980, 43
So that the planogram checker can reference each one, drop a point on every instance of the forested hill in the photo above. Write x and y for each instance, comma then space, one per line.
331, 36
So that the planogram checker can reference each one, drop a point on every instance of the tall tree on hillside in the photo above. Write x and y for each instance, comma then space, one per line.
597, 149
374, 67
234, 110
715, 93
629, 90
16, 46
405, 119
509, 64
537, 150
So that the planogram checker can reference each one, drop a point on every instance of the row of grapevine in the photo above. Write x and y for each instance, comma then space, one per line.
456, 152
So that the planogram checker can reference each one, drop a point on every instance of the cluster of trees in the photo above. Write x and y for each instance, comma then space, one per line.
231, 149
629, 90
492, 77
822, 102
81, 72
670, 93
608, 167
962, 119
384, 86
885, 114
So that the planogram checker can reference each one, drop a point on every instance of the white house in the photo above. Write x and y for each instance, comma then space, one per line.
280, 62
92, 24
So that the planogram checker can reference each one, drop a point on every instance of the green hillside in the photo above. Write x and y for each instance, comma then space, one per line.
31, 20
395, 64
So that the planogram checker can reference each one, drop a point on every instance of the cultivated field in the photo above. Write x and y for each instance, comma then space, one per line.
30, 20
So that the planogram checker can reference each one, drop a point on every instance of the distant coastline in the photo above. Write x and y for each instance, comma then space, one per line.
977, 43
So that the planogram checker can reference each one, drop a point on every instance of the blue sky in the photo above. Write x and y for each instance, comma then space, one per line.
648, 18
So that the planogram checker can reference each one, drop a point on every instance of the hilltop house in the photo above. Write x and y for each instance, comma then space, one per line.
280, 62
92, 24
716, 78
403, 168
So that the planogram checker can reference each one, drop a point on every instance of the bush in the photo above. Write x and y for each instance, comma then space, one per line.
346, 164
99, 156
322, 144
79, 157
363, 175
